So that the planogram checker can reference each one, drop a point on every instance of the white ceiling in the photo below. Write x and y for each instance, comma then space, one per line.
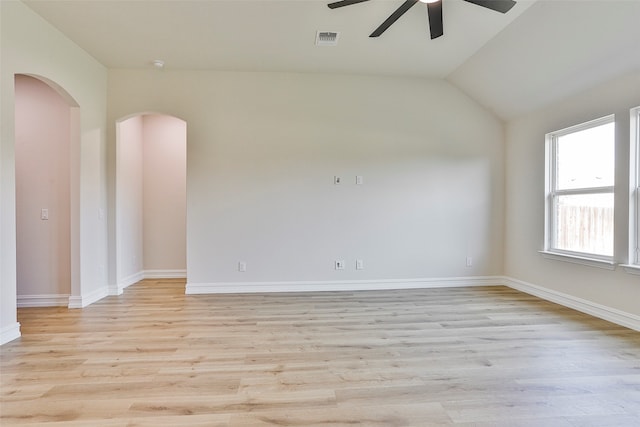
505, 61
555, 49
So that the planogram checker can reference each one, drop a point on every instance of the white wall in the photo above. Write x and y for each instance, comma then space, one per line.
29, 45
165, 184
525, 198
264, 147
42, 150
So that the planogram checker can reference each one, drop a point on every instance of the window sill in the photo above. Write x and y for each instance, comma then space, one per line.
631, 269
591, 262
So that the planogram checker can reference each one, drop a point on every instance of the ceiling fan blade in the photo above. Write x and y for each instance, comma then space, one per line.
343, 3
435, 19
393, 17
503, 6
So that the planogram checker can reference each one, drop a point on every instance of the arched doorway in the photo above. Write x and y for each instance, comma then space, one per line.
150, 208
47, 135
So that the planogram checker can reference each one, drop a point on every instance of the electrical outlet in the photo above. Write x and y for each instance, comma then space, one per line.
469, 261
337, 180
339, 265
44, 214
359, 264
242, 266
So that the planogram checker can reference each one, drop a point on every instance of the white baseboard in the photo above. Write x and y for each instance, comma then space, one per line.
42, 301
613, 315
118, 288
85, 300
130, 280
115, 290
165, 274
594, 309
345, 285
9, 333
125, 283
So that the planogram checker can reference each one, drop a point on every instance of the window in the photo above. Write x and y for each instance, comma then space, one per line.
634, 213
580, 190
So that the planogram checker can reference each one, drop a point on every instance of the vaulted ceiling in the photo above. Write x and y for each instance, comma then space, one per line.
511, 63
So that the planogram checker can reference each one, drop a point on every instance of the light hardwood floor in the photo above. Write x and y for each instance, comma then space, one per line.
153, 356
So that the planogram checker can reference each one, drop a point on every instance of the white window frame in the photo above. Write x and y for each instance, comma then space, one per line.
633, 265
551, 194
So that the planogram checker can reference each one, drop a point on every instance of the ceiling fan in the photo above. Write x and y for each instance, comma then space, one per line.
434, 9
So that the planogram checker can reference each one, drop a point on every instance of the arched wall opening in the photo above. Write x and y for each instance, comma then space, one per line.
47, 151
150, 208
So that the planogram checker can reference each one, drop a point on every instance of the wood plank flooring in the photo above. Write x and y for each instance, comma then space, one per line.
153, 356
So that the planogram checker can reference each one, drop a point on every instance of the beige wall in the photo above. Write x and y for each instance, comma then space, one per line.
165, 185
43, 151
525, 198
150, 198
29, 45
129, 200
264, 147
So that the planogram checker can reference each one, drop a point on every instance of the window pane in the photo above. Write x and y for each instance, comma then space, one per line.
584, 223
586, 158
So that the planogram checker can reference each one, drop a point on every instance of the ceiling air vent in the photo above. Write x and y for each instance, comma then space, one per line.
326, 38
